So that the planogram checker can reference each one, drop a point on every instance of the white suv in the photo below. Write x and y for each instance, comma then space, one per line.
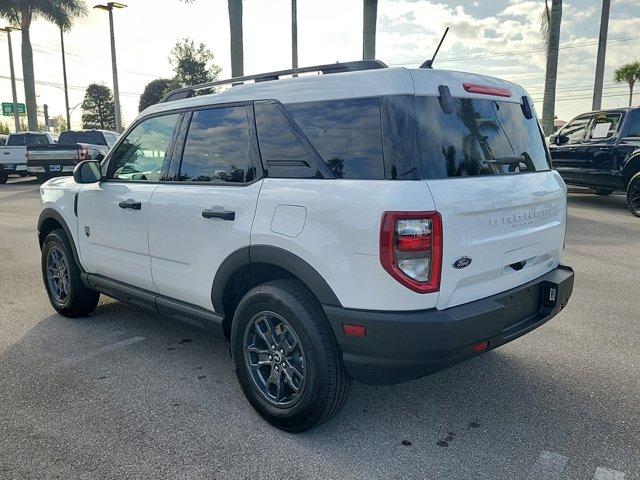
366, 222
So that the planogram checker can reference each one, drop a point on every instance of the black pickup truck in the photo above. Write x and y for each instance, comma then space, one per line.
601, 150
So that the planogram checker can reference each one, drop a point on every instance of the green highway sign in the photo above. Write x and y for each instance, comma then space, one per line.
7, 109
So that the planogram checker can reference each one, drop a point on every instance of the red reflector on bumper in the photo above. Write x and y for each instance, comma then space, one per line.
480, 347
354, 330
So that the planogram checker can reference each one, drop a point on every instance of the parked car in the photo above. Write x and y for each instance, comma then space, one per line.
370, 223
13, 155
46, 161
600, 150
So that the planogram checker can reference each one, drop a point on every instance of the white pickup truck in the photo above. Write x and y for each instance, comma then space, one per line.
13, 155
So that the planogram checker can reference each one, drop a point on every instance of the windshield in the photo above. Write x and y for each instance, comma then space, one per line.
480, 137
27, 139
70, 138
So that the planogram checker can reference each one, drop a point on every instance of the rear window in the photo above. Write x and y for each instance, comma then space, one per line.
345, 133
480, 137
70, 138
27, 139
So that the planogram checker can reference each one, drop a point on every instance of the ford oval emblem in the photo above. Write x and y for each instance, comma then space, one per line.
462, 262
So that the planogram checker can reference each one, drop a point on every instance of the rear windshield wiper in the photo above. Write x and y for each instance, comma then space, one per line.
507, 160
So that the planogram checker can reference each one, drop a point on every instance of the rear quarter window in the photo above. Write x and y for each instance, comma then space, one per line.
345, 133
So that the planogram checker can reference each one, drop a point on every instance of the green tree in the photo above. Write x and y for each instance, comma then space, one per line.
551, 20
192, 63
155, 90
628, 74
98, 108
4, 129
22, 13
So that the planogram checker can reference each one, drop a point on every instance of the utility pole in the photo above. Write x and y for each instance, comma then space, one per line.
45, 107
16, 118
116, 92
64, 76
602, 52
294, 33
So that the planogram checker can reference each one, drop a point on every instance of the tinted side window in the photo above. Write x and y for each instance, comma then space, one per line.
141, 154
282, 150
346, 134
217, 147
576, 129
633, 128
605, 125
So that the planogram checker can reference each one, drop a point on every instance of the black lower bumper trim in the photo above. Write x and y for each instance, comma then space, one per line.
400, 346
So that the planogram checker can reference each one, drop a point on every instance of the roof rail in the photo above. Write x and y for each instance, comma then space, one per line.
188, 92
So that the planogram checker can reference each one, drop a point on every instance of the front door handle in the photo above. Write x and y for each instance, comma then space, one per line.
132, 204
223, 214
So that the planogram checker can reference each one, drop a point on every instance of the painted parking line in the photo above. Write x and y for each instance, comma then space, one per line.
548, 466
608, 474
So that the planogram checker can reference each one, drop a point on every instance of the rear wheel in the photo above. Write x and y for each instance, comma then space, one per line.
286, 357
633, 194
3, 178
602, 191
61, 275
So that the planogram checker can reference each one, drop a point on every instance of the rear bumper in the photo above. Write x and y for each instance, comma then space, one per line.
13, 167
400, 346
53, 167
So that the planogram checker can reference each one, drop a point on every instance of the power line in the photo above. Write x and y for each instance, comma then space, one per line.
494, 54
56, 84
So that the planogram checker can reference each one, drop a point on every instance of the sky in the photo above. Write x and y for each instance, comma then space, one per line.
492, 37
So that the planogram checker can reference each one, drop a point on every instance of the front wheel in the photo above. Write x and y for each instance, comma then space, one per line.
603, 192
61, 275
286, 357
633, 194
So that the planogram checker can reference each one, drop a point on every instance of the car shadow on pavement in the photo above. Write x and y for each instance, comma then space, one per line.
158, 381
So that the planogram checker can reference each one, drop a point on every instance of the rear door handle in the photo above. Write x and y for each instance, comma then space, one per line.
132, 204
223, 214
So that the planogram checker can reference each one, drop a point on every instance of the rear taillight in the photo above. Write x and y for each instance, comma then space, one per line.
411, 249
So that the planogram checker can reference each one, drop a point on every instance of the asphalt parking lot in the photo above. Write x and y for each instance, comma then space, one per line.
125, 394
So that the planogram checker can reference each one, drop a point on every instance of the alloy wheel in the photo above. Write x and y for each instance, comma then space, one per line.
275, 359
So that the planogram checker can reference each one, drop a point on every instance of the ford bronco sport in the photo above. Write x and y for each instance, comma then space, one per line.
366, 223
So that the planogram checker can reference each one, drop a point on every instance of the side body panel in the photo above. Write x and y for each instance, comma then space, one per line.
187, 249
334, 225
113, 241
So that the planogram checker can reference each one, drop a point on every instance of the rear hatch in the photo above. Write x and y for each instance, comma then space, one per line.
503, 209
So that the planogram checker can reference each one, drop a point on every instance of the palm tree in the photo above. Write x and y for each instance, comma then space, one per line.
628, 73
22, 12
551, 19
235, 27
370, 13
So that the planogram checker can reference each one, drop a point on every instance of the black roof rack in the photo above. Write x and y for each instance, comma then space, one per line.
187, 92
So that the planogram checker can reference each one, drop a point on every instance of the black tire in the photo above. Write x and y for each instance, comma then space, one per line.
324, 384
3, 178
633, 194
73, 298
42, 177
602, 191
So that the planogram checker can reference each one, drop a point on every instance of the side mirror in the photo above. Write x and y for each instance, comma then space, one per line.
561, 139
87, 172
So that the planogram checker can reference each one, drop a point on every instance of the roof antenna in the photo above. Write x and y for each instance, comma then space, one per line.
429, 63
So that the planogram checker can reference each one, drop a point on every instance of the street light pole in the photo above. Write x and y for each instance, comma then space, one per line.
294, 33
16, 118
116, 92
64, 76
